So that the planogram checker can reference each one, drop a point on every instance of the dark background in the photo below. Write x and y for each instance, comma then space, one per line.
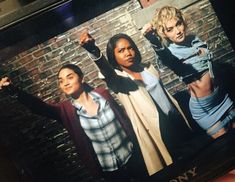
32, 27
226, 14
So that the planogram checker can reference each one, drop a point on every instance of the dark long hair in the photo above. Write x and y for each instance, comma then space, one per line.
112, 44
73, 67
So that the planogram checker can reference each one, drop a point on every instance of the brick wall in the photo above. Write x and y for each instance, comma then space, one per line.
41, 148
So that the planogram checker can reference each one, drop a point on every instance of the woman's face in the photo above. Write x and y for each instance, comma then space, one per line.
124, 53
69, 82
175, 30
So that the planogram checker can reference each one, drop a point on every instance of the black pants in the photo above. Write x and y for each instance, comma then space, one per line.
133, 171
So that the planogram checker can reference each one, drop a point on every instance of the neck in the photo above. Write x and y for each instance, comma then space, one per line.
134, 72
184, 43
82, 97
187, 41
132, 69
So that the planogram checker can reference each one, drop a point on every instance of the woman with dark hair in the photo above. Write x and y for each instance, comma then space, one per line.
112, 44
141, 92
98, 126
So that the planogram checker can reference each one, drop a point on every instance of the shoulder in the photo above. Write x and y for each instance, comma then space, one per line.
150, 68
192, 37
100, 90
65, 104
197, 42
103, 92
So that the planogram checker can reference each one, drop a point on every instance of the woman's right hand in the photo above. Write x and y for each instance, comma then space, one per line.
147, 28
87, 41
4, 82
151, 35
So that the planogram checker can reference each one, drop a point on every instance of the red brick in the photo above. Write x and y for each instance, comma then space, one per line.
41, 52
26, 59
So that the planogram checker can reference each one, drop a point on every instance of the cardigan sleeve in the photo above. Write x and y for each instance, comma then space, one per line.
37, 106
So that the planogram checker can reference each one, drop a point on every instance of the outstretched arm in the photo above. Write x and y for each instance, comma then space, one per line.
164, 54
88, 43
35, 104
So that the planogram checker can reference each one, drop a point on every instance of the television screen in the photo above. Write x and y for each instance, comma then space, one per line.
153, 91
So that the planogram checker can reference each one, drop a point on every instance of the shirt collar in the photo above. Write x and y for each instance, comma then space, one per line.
93, 95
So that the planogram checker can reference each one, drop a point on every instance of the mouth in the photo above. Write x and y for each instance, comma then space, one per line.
130, 59
180, 36
68, 89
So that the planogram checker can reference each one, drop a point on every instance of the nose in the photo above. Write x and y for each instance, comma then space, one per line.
128, 52
66, 83
177, 30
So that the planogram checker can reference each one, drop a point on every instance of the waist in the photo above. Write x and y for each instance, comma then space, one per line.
187, 79
223, 125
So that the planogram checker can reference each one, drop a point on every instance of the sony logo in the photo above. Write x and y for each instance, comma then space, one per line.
186, 176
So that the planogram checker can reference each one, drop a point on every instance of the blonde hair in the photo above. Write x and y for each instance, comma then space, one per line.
163, 15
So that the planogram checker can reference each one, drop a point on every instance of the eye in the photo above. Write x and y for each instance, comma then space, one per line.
130, 48
70, 77
169, 29
60, 82
121, 50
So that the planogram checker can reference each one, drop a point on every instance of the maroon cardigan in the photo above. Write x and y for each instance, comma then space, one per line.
65, 113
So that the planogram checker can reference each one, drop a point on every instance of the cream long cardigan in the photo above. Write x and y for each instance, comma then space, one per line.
145, 121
